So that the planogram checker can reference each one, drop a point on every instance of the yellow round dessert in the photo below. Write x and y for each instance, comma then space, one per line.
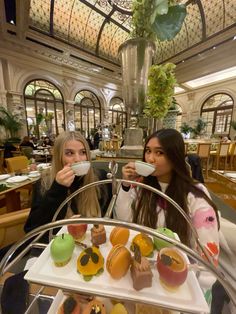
119, 309
90, 262
145, 244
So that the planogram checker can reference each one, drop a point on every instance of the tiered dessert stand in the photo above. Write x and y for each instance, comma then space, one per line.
43, 273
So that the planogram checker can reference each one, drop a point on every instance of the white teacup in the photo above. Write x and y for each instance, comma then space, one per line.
143, 168
81, 168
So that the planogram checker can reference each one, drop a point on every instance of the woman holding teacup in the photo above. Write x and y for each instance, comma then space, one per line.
164, 149
71, 169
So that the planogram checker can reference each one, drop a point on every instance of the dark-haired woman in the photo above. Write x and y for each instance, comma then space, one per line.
165, 150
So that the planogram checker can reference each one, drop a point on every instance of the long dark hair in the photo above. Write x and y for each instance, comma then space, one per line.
144, 210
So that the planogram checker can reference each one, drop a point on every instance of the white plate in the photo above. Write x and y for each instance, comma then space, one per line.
4, 176
60, 297
17, 179
43, 166
230, 174
33, 174
188, 297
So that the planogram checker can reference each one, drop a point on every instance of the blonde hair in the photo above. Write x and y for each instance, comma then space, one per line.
87, 201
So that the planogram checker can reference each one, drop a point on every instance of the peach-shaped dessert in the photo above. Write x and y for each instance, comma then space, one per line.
172, 268
77, 231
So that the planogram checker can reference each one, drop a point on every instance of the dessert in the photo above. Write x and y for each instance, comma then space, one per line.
145, 244
118, 261
119, 236
77, 231
119, 309
90, 263
150, 309
159, 243
140, 269
172, 268
62, 248
94, 307
98, 235
70, 306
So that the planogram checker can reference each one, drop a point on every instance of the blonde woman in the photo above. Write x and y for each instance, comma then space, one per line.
51, 191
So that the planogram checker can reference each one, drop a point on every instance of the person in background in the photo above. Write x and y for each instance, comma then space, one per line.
47, 142
52, 190
165, 150
26, 142
97, 138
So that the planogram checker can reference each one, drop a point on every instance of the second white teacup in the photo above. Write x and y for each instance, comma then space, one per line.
143, 168
81, 168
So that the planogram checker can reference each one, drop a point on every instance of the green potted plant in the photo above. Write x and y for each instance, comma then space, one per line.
11, 123
151, 20
233, 125
200, 127
185, 129
157, 19
160, 91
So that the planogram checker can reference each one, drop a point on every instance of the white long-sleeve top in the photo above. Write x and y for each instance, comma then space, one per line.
202, 214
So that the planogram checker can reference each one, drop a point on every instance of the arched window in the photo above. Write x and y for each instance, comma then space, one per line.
117, 113
44, 107
217, 112
87, 111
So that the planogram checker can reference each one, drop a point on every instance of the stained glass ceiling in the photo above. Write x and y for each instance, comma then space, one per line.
101, 26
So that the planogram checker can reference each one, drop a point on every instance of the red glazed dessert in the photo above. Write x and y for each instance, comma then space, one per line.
77, 231
172, 268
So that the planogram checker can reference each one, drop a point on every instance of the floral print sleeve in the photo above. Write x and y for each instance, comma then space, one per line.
204, 220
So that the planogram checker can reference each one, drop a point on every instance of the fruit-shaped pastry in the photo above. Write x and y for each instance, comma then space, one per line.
119, 235
145, 244
94, 307
62, 248
77, 231
172, 268
119, 309
159, 243
118, 261
140, 270
98, 235
70, 306
90, 263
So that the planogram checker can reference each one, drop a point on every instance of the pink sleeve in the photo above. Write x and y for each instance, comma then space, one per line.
205, 221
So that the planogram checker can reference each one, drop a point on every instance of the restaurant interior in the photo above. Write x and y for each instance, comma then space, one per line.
61, 69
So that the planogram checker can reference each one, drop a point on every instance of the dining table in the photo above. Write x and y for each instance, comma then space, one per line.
10, 189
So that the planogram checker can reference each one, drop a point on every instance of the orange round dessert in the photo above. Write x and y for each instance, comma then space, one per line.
145, 244
172, 268
119, 235
90, 262
118, 261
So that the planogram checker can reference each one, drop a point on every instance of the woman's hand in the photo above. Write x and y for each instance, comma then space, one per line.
65, 176
129, 173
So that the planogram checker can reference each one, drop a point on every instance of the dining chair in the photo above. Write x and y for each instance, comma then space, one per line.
27, 151
16, 164
203, 151
232, 155
12, 226
2, 169
221, 153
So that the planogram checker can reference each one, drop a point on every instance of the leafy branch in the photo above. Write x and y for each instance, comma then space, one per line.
160, 90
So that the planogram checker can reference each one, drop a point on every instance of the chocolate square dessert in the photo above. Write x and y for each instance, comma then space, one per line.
98, 235
141, 273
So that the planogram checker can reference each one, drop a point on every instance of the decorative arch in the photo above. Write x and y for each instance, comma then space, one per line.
117, 114
87, 112
217, 111
44, 108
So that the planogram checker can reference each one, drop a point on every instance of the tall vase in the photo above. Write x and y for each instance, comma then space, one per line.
136, 57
